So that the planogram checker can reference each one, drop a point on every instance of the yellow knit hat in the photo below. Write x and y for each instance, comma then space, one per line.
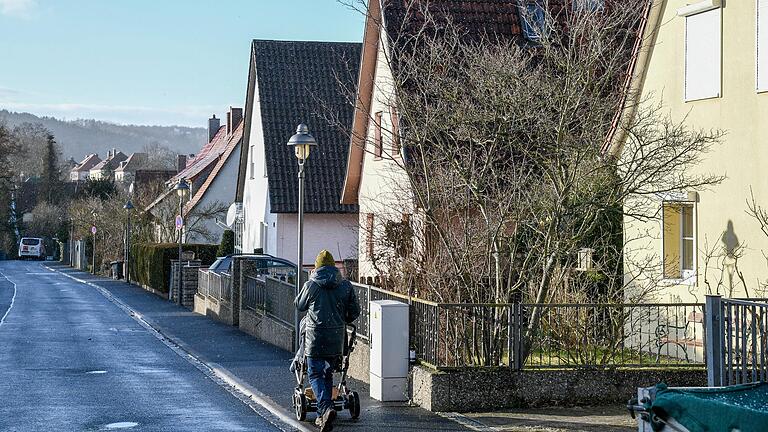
324, 258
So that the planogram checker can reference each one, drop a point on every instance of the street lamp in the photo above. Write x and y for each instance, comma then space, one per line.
127, 255
182, 189
93, 231
302, 142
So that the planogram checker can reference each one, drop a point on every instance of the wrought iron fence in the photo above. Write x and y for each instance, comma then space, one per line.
270, 296
226, 287
738, 347
366, 294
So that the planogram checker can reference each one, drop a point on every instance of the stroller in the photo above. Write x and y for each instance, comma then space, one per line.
304, 400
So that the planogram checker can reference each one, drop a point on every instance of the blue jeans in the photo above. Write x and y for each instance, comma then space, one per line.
320, 370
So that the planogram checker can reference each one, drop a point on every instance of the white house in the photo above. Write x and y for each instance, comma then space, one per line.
293, 82
82, 170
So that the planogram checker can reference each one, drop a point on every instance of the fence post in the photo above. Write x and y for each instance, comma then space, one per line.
713, 338
516, 356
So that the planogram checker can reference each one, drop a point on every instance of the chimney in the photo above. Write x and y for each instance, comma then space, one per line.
181, 162
233, 119
213, 126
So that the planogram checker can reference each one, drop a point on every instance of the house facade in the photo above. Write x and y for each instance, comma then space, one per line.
106, 168
284, 89
212, 179
706, 62
375, 177
81, 171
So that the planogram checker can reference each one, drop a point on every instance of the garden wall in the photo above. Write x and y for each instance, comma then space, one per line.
491, 389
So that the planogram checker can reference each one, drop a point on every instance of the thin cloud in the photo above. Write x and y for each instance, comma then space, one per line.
18, 8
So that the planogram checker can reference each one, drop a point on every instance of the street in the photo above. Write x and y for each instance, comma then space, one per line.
72, 360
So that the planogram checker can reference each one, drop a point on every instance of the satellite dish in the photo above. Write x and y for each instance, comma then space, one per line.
235, 212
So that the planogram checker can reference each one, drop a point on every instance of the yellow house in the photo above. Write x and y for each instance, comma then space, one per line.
706, 62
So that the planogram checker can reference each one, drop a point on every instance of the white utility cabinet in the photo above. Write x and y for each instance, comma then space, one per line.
389, 350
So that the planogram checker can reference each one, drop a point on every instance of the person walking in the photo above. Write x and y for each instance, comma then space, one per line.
331, 304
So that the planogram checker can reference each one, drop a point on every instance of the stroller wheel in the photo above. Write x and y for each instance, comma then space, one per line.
300, 406
354, 405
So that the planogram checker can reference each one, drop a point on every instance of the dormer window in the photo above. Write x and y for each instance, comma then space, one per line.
533, 20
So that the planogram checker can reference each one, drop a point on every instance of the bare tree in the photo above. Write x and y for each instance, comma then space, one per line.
504, 163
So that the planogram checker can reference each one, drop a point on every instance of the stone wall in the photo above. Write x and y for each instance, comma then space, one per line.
266, 329
189, 282
492, 389
360, 362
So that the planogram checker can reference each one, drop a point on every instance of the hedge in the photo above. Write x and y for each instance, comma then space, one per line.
151, 262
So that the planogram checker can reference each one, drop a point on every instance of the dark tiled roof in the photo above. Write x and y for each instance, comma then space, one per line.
478, 18
302, 82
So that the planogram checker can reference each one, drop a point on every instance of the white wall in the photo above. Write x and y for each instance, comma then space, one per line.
334, 232
255, 201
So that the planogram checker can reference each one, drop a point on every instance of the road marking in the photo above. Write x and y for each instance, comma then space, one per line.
256, 401
467, 422
13, 299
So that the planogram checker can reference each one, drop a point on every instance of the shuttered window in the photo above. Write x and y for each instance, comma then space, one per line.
395, 131
702, 55
762, 45
377, 135
369, 236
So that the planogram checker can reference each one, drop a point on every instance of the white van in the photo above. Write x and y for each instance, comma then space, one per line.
31, 247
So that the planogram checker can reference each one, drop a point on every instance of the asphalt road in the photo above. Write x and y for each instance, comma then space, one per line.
72, 360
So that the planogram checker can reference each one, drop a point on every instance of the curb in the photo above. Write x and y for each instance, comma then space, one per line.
253, 398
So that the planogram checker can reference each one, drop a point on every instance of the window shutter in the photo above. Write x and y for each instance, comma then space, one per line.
369, 235
396, 131
377, 135
762, 45
702, 55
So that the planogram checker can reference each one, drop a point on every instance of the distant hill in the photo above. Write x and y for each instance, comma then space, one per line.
81, 137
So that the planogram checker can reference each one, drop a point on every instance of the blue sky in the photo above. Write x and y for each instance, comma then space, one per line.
159, 62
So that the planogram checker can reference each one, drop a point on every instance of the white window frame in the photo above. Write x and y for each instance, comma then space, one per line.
687, 277
689, 12
761, 82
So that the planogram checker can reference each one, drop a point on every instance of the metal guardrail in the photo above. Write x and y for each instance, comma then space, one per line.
737, 351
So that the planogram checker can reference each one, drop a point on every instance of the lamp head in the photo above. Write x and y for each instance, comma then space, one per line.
182, 188
302, 142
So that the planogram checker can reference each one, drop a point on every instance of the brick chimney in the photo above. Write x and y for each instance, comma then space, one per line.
234, 115
181, 162
213, 126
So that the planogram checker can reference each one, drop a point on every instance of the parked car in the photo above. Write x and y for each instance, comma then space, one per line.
32, 247
267, 265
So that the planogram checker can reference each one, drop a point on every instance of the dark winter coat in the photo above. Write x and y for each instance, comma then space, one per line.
330, 303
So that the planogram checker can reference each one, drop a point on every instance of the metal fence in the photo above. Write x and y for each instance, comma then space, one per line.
217, 286
738, 347
548, 335
270, 296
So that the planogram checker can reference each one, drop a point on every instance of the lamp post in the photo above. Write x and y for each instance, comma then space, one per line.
127, 255
182, 189
93, 231
301, 142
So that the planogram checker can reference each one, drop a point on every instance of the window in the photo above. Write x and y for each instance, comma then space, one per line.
678, 238
588, 5
533, 20
702, 55
762, 45
369, 236
377, 135
396, 130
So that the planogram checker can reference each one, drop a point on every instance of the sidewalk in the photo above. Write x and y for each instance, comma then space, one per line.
587, 419
255, 364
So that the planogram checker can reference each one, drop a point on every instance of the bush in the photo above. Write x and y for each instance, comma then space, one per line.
227, 246
151, 262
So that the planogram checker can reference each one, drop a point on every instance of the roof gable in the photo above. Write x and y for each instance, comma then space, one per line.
480, 20
304, 82
232, 142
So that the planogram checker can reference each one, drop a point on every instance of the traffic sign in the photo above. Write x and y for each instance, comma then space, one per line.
179, 222
93, 230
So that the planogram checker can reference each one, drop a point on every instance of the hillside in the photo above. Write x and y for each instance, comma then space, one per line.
81, 137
